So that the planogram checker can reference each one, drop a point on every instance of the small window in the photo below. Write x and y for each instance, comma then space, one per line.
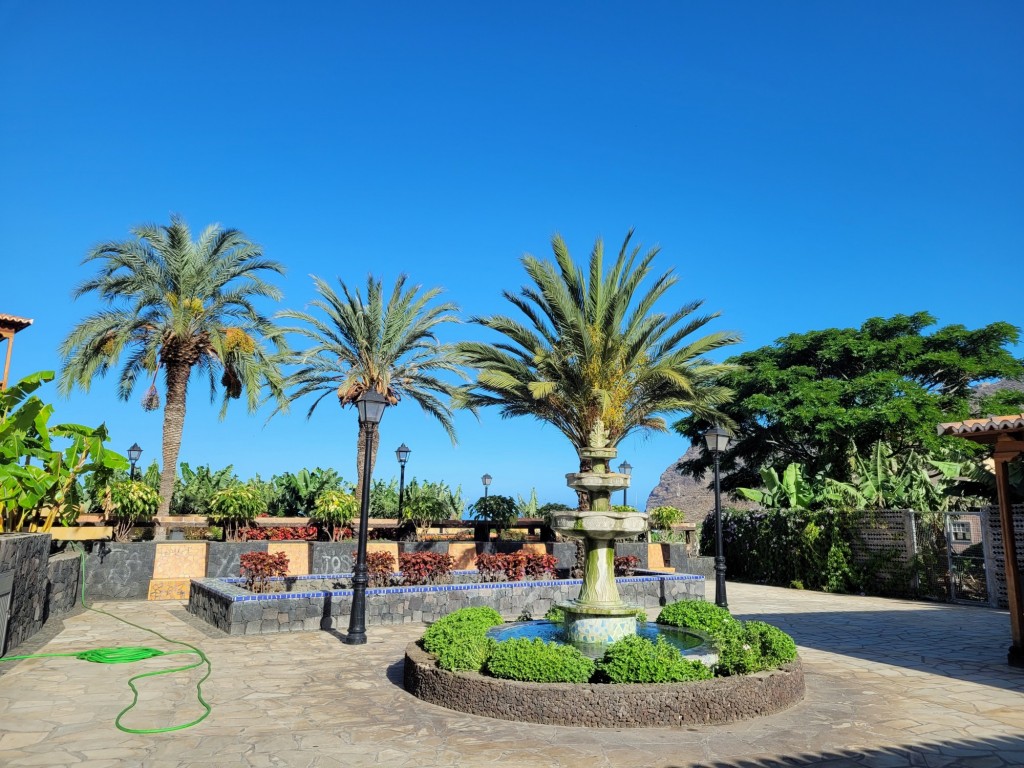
961, 531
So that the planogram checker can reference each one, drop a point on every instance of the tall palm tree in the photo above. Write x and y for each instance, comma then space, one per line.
180, 305
593, 347
366, 344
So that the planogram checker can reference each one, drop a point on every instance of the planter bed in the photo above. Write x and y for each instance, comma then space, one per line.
227, 605
701, 702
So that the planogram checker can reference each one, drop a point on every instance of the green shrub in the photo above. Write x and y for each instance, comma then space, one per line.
776, 647
697, 614
234, 506
538, 662
131, 502
663, 518
459, 640
636, 659
334, 509
555, 614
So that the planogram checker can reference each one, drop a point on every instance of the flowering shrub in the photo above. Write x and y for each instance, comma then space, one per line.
131, 502
425, 568
290, 533
515, 566
259, 567
626, 565
380, 567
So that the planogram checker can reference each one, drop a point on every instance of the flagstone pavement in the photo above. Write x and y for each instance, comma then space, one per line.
890, 683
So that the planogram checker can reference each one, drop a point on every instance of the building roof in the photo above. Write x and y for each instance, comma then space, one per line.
993, 425
14, 323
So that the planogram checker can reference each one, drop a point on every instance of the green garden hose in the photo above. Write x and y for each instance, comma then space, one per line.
128, 654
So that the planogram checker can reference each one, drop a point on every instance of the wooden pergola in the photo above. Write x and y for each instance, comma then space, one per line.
1006, 436
10, 325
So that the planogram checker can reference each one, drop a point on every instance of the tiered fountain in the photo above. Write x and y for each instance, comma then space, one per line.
599, 617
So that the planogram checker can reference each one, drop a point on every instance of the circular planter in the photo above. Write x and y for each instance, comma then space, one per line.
702, 702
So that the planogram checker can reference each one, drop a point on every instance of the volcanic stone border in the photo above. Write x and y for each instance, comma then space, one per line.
702, 702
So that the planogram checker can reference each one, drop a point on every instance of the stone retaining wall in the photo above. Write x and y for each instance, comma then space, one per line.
25, 554
226, 605
702, 702
64, 573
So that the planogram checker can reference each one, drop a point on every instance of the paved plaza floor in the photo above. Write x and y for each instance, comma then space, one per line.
889, 683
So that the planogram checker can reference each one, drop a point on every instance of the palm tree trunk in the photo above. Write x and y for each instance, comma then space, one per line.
174, 422
360, 454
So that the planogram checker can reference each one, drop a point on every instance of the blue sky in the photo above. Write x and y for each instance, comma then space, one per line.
802, 165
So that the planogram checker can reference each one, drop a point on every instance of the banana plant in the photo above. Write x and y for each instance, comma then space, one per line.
791, 491
39, 480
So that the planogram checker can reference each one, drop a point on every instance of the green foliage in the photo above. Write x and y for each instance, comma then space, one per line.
814, 397
296, 495
384, 498
40, 464
528, 507
428, 502
459, 640
838, 576
774, 646
235, 506
699, 615
663, 518
495, 508
555, 614
538, 662
183, 306
591, 345
131, 502
195, 488
791, 491
636, 659
334, 509
546, 511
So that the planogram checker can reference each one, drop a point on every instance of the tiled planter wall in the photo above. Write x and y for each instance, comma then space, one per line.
226, 605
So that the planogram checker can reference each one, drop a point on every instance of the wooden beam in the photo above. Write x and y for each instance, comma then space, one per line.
1013, 583
7, 363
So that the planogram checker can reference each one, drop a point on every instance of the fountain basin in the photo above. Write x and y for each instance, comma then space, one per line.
599, 525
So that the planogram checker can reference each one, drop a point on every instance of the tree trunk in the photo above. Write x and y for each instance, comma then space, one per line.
174, 422
360, 453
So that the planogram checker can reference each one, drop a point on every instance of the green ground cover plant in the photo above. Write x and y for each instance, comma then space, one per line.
636, 659
538, 662
459, 640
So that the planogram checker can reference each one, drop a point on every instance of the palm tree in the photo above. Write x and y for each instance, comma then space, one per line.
180, 305
366, 344
593, 347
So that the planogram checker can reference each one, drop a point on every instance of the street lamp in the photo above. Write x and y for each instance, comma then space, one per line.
133, 456
486, 480
717, 440
371, 408
625, 468
402, 454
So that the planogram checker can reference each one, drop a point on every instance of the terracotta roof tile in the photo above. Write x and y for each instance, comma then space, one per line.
980, 426
13, 321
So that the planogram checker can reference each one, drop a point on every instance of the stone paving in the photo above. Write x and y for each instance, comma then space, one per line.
890, 683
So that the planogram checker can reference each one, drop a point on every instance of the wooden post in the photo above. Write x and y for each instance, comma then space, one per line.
1013, 586
9, 335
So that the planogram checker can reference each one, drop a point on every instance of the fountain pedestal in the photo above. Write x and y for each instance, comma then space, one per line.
599, 616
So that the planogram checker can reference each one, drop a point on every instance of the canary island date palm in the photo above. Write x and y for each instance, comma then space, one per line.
384, 343
182, 306
592, 345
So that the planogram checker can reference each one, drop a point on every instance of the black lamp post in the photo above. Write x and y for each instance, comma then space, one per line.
133, 456
371, 407
717, 440
402, 453
625, 468
486, 480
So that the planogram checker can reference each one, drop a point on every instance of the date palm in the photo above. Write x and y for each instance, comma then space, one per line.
592, 346
181, 306
382, 343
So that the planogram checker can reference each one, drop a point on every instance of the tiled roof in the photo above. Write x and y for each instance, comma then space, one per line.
14, 322
991, 425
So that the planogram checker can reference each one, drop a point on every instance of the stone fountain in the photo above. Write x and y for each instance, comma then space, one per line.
599, 617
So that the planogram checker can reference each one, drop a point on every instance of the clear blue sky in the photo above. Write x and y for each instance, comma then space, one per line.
802, 165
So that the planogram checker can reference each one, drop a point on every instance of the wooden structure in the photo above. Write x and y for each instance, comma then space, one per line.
10, 325
1006, 436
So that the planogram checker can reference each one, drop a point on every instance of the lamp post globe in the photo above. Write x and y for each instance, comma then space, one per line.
717, 440
371, 407
625, 468
486, 480
133, 457
402, 454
